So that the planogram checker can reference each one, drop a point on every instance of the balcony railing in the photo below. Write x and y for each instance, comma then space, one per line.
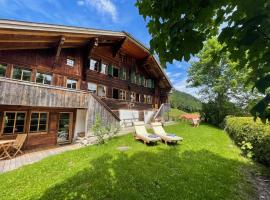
15, 92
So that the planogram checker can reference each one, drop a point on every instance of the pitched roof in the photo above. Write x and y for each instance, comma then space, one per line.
31, 35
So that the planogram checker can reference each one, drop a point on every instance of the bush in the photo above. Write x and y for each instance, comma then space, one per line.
252, 137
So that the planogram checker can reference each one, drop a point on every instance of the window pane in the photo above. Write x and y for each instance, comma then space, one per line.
43, 115
39, 78
20, 119
19, 128
71, 83
93, 64
17, 73
115, 94
92, 87
70, 62
42, 127
3, 69
103, 68
48, 79
34, 128
101, 91
8, 129
26, 75
115, 72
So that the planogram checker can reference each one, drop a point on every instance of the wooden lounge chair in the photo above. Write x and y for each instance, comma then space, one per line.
18, 143
142, 134
158, 130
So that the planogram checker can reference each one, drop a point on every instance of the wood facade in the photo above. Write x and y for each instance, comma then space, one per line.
49, 68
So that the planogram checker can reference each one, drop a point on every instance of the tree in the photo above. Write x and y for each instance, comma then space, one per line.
179, 28
223, 85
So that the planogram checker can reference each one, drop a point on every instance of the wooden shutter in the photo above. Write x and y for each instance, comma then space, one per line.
99, 65
110, 69
142, 80
152, 83
132, 76
121, 73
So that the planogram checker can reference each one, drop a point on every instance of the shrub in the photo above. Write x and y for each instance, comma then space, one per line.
252, 137
102, 132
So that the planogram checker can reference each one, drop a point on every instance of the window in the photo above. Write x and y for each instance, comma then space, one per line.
44, 78
70, 62
115, 72
94, 65
21, 74
133, 96
122, 94
101, 91
92, 87
137, 97
72, 84
123, 74
3, 69
39, 122
115, 94
148, 99
103, 68
14, 122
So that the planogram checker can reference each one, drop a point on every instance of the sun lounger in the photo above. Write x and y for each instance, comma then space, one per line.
166, 137
142, 134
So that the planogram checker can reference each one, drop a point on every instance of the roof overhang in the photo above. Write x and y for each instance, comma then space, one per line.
29, 35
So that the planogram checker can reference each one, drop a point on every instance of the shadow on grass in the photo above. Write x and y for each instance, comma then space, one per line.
165, 174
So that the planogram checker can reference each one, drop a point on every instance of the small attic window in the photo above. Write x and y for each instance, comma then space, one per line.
71, 62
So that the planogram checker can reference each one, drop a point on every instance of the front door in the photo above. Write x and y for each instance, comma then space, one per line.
64, 128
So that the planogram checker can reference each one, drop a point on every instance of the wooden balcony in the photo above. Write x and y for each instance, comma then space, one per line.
14, 92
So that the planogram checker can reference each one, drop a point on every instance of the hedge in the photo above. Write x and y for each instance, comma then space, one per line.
252, 137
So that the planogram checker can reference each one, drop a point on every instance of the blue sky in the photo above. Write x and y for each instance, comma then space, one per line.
117, 15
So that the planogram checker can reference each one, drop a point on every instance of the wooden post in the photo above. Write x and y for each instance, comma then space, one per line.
58, 51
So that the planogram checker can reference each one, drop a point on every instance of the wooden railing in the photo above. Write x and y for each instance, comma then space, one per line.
15, 92
163, 112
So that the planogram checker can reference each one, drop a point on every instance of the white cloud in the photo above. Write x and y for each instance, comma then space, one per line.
102, 6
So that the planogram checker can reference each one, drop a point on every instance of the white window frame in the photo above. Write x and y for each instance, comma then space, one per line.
44, 75
92, 84
70, 62
71, 83
105, 89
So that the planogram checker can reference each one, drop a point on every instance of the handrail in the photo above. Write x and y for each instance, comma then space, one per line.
105, 106
165, 107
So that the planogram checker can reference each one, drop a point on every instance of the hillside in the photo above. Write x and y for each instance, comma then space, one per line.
185, 102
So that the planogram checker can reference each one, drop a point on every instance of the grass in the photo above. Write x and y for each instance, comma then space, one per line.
175, 113
206, 165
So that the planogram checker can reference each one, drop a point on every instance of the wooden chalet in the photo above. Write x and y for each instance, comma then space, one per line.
54, 81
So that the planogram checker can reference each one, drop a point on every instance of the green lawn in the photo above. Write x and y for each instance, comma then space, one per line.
206, 165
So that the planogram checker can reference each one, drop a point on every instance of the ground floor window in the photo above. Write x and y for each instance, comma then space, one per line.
72, 84
21, 74
101, 90
137, 97
44, 78
39, 122
133, 96
92, 87
115, 93
122, 94
148, 99
14, 122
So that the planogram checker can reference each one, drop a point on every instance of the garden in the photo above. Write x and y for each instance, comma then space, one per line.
205, 165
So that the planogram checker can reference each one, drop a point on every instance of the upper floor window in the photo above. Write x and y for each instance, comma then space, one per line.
123, 73
72, 84
103, 69
122, 94
93, 65
115, 93
115, 72
101, 90
44, 78
70, 62
92, 87
21, 74
3, 69
133, 96
14, 122
39, 122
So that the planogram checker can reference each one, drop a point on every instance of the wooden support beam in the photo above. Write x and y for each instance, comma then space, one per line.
116, 47
58, 51
87, 54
